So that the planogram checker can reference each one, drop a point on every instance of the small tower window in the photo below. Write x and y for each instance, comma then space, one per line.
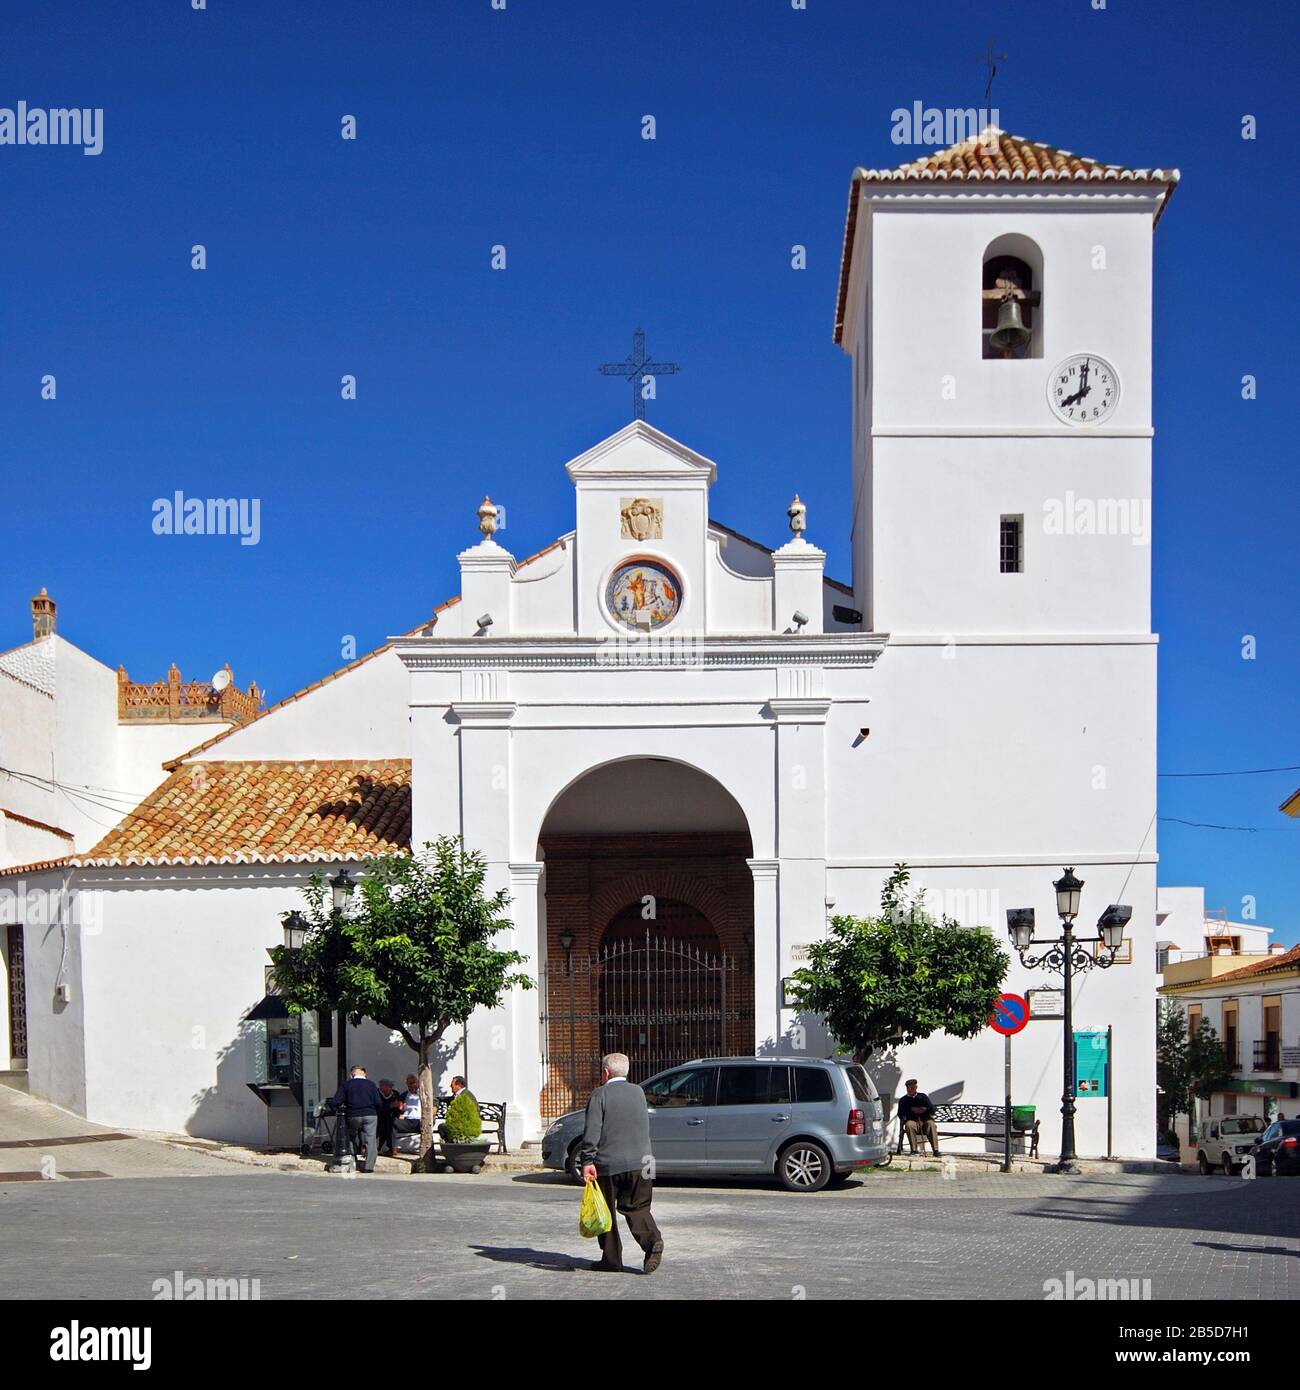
1011, 546
1011, 299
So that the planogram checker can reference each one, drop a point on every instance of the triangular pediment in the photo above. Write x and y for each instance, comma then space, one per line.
639, 451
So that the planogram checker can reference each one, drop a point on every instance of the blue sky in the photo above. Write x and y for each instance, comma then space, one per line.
523, 127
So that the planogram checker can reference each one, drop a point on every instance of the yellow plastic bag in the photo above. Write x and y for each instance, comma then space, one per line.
594, 1218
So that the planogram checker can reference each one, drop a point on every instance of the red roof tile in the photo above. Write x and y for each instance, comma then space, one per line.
266, 812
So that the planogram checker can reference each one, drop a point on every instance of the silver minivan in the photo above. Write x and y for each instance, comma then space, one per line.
801, 1120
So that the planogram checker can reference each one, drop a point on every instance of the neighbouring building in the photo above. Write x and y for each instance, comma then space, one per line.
1187, 930
80, 746
1253, 1003
681, 748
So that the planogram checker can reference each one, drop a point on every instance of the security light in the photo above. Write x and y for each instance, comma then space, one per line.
1111, 924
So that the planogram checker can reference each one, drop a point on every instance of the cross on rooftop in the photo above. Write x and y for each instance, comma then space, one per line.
991, 61
637, 367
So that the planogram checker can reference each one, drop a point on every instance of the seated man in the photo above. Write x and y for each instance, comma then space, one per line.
392, 1104
457, 1086
407, 1119
916, 1115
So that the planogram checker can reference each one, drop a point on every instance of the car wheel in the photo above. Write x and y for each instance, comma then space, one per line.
1227, 1166
1203, 1164
573, 1164
804, 1166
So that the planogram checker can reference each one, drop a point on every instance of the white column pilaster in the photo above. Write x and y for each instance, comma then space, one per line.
767, 954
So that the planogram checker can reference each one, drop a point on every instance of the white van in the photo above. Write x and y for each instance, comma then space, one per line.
1225, 1141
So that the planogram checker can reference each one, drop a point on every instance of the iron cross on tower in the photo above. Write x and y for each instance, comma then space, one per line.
991, 61
637, 368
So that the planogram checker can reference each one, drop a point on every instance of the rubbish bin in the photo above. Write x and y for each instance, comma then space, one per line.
1022, 1118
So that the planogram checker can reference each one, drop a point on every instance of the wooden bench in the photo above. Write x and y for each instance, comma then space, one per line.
491, 1112
983, 1117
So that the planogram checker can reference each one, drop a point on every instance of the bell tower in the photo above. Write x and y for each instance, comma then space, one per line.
995, 298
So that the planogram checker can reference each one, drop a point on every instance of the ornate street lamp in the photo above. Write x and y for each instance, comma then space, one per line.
342, 886
1065, 955
295, 930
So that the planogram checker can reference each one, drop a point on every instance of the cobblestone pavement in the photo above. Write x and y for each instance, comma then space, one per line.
913, 1237
967, 1234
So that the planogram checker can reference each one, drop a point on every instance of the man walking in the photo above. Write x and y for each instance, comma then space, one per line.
616, 1154
364, 1102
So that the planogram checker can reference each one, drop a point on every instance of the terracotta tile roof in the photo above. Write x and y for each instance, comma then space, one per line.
35, 824
1288, 960
36, 866
991, 156
266, 812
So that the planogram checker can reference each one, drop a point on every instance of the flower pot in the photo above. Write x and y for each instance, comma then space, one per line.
465, 1158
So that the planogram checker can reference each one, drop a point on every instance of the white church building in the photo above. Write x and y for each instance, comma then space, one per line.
657, 708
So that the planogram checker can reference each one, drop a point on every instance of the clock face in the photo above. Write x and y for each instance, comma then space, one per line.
643, 595
1083, 390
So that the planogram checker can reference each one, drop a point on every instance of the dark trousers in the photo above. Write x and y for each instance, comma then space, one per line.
630, 1193
363, 1129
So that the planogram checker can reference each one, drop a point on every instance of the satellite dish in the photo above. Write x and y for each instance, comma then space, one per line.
221, 679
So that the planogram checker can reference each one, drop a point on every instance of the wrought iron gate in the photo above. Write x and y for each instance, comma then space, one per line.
660, 1000
17, 996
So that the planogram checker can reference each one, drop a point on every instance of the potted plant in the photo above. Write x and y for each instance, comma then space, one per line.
463, 1145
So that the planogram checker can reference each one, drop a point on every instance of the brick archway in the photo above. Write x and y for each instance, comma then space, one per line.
643, 829
591, 880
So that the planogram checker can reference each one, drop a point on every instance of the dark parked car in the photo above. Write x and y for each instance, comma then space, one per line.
1278, 1150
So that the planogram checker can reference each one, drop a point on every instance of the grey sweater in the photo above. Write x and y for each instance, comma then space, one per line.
617, 1137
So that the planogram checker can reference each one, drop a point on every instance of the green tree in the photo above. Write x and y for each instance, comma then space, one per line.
1207, 1063
415, 953
900, 976
1173, 1075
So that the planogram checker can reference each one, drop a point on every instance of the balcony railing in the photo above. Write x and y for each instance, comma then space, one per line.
1268, 1055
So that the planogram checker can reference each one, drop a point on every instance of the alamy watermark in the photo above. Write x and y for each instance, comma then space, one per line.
195, 1288
934, 125
1085, 1290
1098, 516
179, 515
58, 125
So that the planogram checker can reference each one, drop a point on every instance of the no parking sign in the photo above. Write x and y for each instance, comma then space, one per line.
1010, 1014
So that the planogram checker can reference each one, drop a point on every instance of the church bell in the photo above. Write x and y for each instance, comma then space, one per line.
1010, 335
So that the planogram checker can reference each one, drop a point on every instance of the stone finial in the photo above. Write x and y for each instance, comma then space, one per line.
44, 611
487, 517
798, 514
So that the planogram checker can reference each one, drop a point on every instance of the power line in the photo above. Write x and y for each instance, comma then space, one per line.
1245, 772
1250, 829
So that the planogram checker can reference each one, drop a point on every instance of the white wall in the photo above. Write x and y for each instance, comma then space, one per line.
947, 442
361, 714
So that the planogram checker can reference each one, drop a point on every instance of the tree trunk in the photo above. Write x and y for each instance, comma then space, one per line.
428, 1103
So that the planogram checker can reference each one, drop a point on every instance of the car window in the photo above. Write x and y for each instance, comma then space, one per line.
1288, 1127
690, 1086
863, 1086
753, 1085
1245, 1124
1272, 1132
812, 1085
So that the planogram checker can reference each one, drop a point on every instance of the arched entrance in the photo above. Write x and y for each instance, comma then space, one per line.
649, 925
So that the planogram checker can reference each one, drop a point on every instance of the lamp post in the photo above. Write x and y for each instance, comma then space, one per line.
342, 886
1065, 955
567, 941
